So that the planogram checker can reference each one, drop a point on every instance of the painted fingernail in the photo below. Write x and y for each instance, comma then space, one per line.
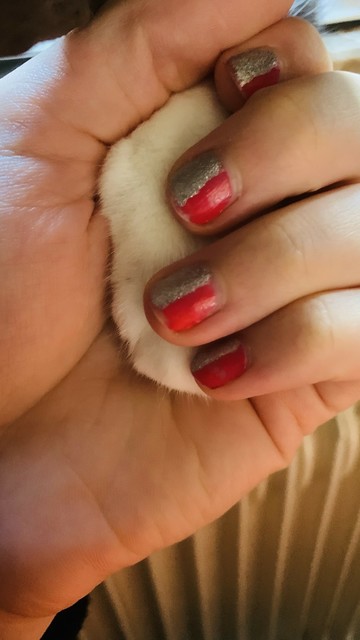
186, 297
253, 70
223, 361
201, 189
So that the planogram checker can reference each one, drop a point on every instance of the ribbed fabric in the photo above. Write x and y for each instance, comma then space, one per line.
283, 564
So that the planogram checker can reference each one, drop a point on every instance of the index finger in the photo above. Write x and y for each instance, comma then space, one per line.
106, 79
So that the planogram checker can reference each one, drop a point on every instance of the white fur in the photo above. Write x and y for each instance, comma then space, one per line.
145, 235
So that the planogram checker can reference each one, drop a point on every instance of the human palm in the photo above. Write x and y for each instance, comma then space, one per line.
99, 467
58, 115
116, 468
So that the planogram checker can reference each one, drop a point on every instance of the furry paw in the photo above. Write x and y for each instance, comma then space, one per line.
145, 235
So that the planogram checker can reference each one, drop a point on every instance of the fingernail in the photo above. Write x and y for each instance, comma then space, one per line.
223, 361
186, 297
201, 189
253, 70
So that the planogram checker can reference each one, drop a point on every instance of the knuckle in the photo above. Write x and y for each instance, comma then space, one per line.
290, 245
319, 327
291, 110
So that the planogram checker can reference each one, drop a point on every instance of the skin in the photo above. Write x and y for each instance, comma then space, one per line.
300, 285
98, 467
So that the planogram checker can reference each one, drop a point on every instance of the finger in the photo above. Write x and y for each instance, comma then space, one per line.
106, 79
286, 141
313, 340
288, 49
310, 246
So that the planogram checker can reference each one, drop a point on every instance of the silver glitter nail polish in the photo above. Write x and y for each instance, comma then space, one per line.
187, 181
250, 64
212, 353
179, 284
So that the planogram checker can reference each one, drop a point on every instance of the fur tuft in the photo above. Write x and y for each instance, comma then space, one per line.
307, 9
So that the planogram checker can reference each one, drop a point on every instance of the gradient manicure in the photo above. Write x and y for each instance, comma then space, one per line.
253, 70
216, 365
201, 189
186, 297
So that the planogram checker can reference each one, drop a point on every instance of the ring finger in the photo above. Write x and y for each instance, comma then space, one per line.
313, 340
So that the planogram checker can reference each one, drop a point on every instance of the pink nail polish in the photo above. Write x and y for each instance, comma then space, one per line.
223, 361
201, 189
185, 297
253, 70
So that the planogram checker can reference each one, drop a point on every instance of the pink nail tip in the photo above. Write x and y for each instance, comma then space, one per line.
185, 298
220, 363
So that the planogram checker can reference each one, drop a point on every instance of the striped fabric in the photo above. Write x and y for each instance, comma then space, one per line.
283, 564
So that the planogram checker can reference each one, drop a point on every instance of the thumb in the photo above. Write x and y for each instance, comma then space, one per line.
135, 54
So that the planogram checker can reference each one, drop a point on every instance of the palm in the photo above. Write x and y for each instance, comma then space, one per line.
60, 313
115, 469
56, 121
53, 266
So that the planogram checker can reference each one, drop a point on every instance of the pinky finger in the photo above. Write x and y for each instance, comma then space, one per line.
312, 340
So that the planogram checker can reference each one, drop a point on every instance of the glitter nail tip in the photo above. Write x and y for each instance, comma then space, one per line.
179, 284
186, 297
201, 189
254, 69
220, 363
188, 181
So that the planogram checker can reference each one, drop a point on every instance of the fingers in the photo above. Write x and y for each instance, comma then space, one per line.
313, 340
113, 75
288, 49
310, 246
283, 290
301, 339
286, 141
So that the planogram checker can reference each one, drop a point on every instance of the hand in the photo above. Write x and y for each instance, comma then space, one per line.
58, 114
284, 299
104, 468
